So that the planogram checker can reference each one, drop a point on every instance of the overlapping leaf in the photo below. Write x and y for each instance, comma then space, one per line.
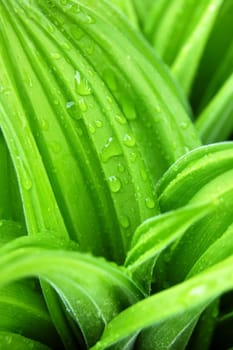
92, 290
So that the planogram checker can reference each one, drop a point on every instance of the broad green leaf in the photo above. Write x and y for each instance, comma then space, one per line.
203, 164
215, 123
155, 235
189, 297
12, 341
92, 290
213, 183
110, 131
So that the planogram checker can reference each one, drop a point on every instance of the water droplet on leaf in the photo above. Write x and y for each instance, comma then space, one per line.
129, 140
114, 184
81, 85
110, 149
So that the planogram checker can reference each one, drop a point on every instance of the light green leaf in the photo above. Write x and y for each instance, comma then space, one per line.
179, 31
215, 123
92, 290
190, 297
155, 235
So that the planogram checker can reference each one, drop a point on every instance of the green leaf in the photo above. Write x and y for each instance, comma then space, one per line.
155, 235
92, 290
179, 31
186, 62
215, 123
216, 63
128, 10
211, 167
190, 297
12, 341
23, 311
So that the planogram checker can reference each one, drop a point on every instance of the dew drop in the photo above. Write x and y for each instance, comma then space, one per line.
77, 33
124, 221
150, 203
81, 85
128, 109
109, 99
91, 129
90, 19
143, 174
129, 140
184, 125
98, 123
133, 157
55, 55
70, 104
120, 167
82, 105
114, 184
50, 28
110, 79
120, 119
110, 149
197, 291
55, 147
66, 46
44, 124
27, 183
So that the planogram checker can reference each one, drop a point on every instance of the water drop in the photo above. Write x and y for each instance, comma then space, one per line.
133, 157
55, 147
66, 46
77, 33
91, 129
109, 99
124, 221
184, 125
150, 203
44, 124
197, 291
110, 79
81, 85
110, 149
128, 109
99, 123
90, 19
70, 104
114, 184
82, 105
120, 167
143, 174
129, 140
120, 119
55, 55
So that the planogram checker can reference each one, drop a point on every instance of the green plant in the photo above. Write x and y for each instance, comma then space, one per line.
116, 226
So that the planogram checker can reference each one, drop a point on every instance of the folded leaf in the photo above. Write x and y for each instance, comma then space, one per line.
92, 290
190, 297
